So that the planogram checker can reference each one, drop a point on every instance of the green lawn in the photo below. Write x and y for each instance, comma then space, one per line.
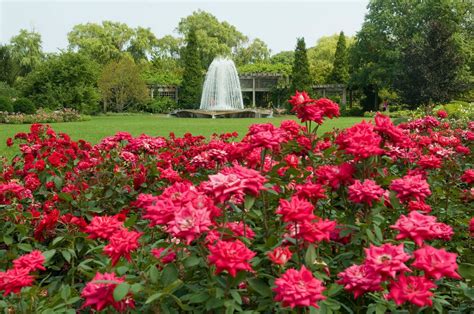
102, 126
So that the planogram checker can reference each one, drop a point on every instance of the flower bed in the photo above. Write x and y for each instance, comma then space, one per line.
43, 116
375, 218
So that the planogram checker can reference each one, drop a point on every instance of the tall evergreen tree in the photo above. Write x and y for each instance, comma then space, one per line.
340, 70
191, 86
300, 77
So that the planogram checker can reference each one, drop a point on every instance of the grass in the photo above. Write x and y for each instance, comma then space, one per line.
99, 127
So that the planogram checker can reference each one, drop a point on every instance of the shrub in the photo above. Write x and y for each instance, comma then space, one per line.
24, 105
44, 116
161, 105
5, 104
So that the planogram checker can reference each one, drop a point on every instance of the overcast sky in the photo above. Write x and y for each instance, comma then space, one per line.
278, 23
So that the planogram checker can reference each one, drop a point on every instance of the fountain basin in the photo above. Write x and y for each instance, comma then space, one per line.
217, 114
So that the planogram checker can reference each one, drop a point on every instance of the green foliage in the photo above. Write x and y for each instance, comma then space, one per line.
8, 91
9, 68
190, 90
5, 104
67, 80
121, 85
256, 52
432, 59
24, 105
26, 50
458, 109
419, 48
213, 37
283, 57
163, 71
300, 77
110, 40
161, 105
321, 57
340, 70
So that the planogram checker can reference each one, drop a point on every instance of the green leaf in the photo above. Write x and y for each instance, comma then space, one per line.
466, 270
25, 247
48, 255
169, 274
154, 297
260, 287
7, 240
249, 201
173, 286
199, 297
334, 289
378, 233
65, 196
191, 261
67, 256
121, 291
310, 255
65, 292
236, 296
154, 274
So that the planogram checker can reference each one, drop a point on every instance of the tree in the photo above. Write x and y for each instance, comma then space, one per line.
413, 47
340, 70
121, 85
168, 47
142, 44
26, 50
283, 57
300, 77
9, 69
191, 87
212, 36
110, 40
432, 60
68, 80
321, 57
256, 52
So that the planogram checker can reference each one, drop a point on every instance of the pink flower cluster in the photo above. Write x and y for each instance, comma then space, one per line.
419, 228
308, 109
14, 279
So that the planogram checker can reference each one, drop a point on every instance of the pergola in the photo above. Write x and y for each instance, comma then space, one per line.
256, 83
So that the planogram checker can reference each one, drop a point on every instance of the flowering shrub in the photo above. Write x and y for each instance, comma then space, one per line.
43, 116
375, 218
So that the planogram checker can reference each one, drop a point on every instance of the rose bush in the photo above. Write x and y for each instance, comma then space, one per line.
375, 218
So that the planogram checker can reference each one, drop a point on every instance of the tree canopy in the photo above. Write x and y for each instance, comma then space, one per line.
67, 80
110, 40
26, 50
191, 87
213, 37
121, 85
340, 69
300, 76
415, 47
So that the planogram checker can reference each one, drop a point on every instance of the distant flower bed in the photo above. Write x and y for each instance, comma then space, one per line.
43, 116
375, 218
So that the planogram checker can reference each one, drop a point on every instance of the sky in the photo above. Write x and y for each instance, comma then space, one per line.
278, 23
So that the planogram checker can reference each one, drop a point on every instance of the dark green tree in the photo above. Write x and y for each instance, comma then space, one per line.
340, 70
300, 76
68, 80
9, 69
191, 86
432, 59
418, 48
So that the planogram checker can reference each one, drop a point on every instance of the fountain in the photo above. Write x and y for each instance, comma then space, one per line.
221, 89
221, 96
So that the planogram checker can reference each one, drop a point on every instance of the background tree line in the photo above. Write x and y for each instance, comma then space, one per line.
413, 52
